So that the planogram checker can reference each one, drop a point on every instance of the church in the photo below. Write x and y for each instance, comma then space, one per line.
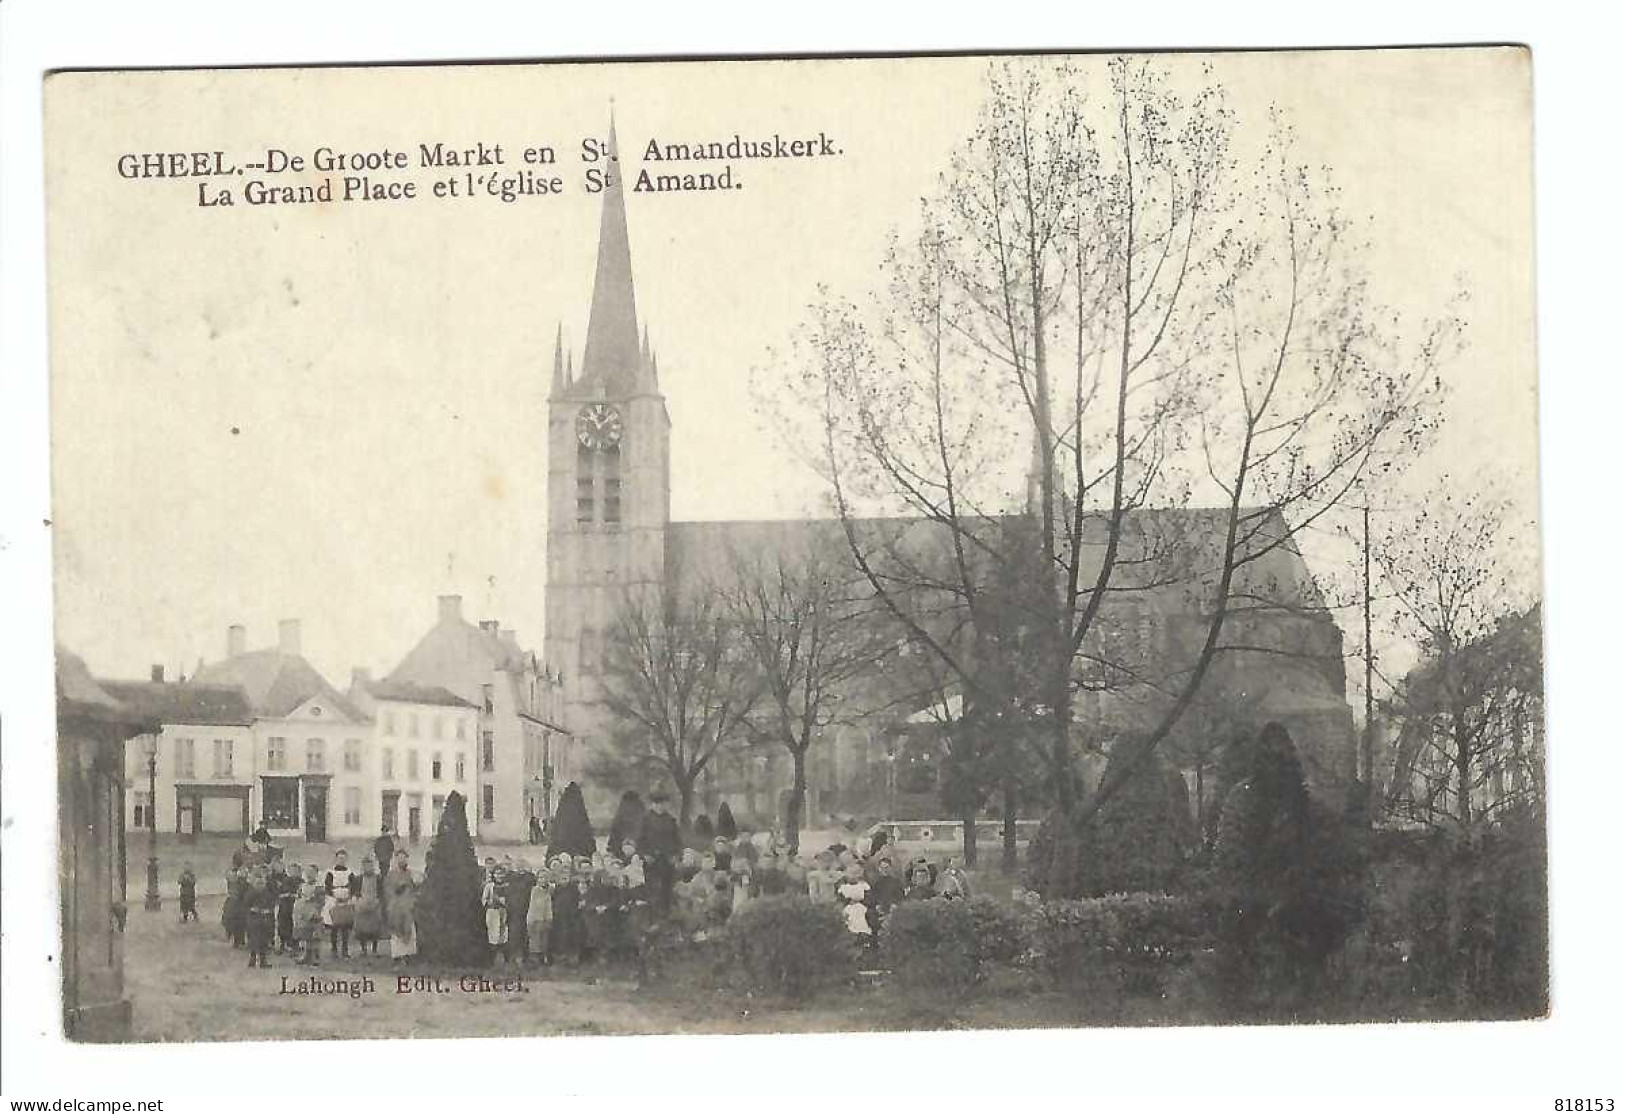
610, 532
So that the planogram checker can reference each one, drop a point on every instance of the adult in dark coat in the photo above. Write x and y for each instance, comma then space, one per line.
521, 880
659, 842
565, 935
383, 850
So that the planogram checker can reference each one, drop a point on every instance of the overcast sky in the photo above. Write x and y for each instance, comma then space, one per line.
336, 412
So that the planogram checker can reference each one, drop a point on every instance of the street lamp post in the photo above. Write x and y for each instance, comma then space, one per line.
153, 901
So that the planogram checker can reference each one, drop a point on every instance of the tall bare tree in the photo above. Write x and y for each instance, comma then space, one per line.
1106, 294
813, 642
679, 688
1462, 591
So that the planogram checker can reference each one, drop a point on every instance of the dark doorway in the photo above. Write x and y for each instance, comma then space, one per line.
315, 813
414, 823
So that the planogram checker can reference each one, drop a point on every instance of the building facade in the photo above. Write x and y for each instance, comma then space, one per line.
521, 746
423, 748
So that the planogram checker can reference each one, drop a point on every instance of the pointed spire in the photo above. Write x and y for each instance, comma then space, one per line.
569, 368
654, 369
645, 349
611, 355
558, 360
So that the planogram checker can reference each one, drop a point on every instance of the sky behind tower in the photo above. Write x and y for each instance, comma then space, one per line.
336, 413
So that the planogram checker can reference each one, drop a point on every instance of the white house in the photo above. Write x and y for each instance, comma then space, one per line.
524, 756
423, 747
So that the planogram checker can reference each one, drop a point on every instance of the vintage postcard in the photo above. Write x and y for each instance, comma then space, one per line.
796, 545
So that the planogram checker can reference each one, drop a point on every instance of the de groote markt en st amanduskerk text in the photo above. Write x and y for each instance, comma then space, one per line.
507, 173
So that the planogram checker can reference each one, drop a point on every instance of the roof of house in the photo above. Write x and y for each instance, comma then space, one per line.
275, 682
186, 702
407, 692
79, 696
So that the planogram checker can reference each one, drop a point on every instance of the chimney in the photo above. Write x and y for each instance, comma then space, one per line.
488, 625
451, 608
157, 674
360, 679
236, 640
287, 636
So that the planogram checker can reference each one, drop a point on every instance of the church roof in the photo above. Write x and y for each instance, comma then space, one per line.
1160, 547
614, 363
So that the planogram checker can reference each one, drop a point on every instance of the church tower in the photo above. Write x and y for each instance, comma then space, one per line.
608, 474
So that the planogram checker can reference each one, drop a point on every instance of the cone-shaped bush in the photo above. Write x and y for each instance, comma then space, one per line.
1139, 832
628, 821
572, 831
726, 828
451, 925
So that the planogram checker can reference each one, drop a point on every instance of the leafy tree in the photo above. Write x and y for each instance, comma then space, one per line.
572, 830
450, 921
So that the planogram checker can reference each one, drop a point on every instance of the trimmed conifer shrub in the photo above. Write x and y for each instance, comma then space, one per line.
726, 828
628, 821
1138, 837
451, 924
703, 831
572, 830
1286, 880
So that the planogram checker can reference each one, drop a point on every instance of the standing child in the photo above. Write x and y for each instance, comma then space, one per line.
307, 918
539, 917
338, 914
494, 900
594, 901
287, 880
260, 905
564, 940
188, 894
853, 894
369, 906
400, 890
234, 914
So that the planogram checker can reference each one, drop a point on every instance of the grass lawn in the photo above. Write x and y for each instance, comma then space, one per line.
188, 983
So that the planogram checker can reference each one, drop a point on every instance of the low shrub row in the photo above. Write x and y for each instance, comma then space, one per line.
793, 948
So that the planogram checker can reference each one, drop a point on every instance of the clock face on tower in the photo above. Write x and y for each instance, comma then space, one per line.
598, 426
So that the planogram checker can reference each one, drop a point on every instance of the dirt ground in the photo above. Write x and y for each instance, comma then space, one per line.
188, 983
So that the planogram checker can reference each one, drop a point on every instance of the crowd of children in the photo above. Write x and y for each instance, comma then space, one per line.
281, 906
573, 910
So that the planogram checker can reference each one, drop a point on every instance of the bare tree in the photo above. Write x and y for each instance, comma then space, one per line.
678, 687
1107, 293
812, 640
1462, 592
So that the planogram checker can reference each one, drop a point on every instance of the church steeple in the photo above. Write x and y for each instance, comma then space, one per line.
612, 358
559, 382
